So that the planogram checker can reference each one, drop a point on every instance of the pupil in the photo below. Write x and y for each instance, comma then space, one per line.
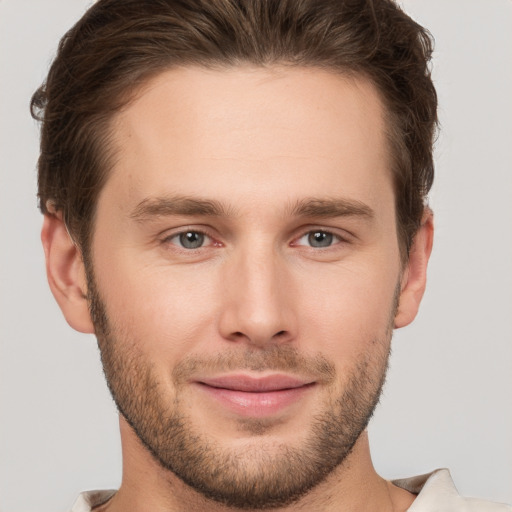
320, 239
191, 240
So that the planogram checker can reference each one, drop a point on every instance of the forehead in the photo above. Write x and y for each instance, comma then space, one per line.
201, 132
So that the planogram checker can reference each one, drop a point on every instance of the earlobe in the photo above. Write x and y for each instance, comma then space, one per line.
414, 278
66, 273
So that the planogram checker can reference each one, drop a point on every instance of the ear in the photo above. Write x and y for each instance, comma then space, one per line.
66, 272
414, 277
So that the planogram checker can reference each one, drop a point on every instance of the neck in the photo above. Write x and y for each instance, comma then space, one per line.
354, 486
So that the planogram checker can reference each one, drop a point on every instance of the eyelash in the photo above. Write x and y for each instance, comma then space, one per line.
336, 239
203, 233
333, 237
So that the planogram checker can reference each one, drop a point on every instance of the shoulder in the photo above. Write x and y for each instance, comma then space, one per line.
436, 492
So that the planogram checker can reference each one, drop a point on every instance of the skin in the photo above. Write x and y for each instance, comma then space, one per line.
257, 142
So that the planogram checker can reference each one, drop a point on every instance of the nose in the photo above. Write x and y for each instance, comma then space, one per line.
257, 307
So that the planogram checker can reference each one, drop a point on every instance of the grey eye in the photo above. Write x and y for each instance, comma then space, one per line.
191, 239
320, 239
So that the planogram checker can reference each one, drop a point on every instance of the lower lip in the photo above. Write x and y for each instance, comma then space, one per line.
260, 404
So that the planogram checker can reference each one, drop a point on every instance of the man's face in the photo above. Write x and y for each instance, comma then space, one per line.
245, 273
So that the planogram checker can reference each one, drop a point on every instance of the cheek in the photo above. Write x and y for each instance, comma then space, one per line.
160, 309
346, 310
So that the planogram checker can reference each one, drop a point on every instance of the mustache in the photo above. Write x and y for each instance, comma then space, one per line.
279, 358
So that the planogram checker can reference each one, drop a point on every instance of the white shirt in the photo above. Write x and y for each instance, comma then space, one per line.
435, 493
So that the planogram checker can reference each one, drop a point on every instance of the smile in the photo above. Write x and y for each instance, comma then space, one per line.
255, 397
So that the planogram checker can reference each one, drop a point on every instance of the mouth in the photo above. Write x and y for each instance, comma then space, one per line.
251, 396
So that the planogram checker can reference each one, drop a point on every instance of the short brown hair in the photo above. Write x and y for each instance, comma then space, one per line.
118, 44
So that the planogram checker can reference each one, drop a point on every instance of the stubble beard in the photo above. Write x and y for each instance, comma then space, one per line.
259, 476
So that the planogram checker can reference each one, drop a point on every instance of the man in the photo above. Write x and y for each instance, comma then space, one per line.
234, 198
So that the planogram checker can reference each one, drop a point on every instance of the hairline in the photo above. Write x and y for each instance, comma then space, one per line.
131, 94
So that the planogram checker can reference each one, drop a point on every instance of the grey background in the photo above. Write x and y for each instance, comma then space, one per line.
448, 398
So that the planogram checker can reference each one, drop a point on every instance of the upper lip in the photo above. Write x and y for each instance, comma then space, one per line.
251, 384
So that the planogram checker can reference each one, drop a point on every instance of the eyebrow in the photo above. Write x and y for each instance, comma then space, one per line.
178, 205
152, 207
332, 207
